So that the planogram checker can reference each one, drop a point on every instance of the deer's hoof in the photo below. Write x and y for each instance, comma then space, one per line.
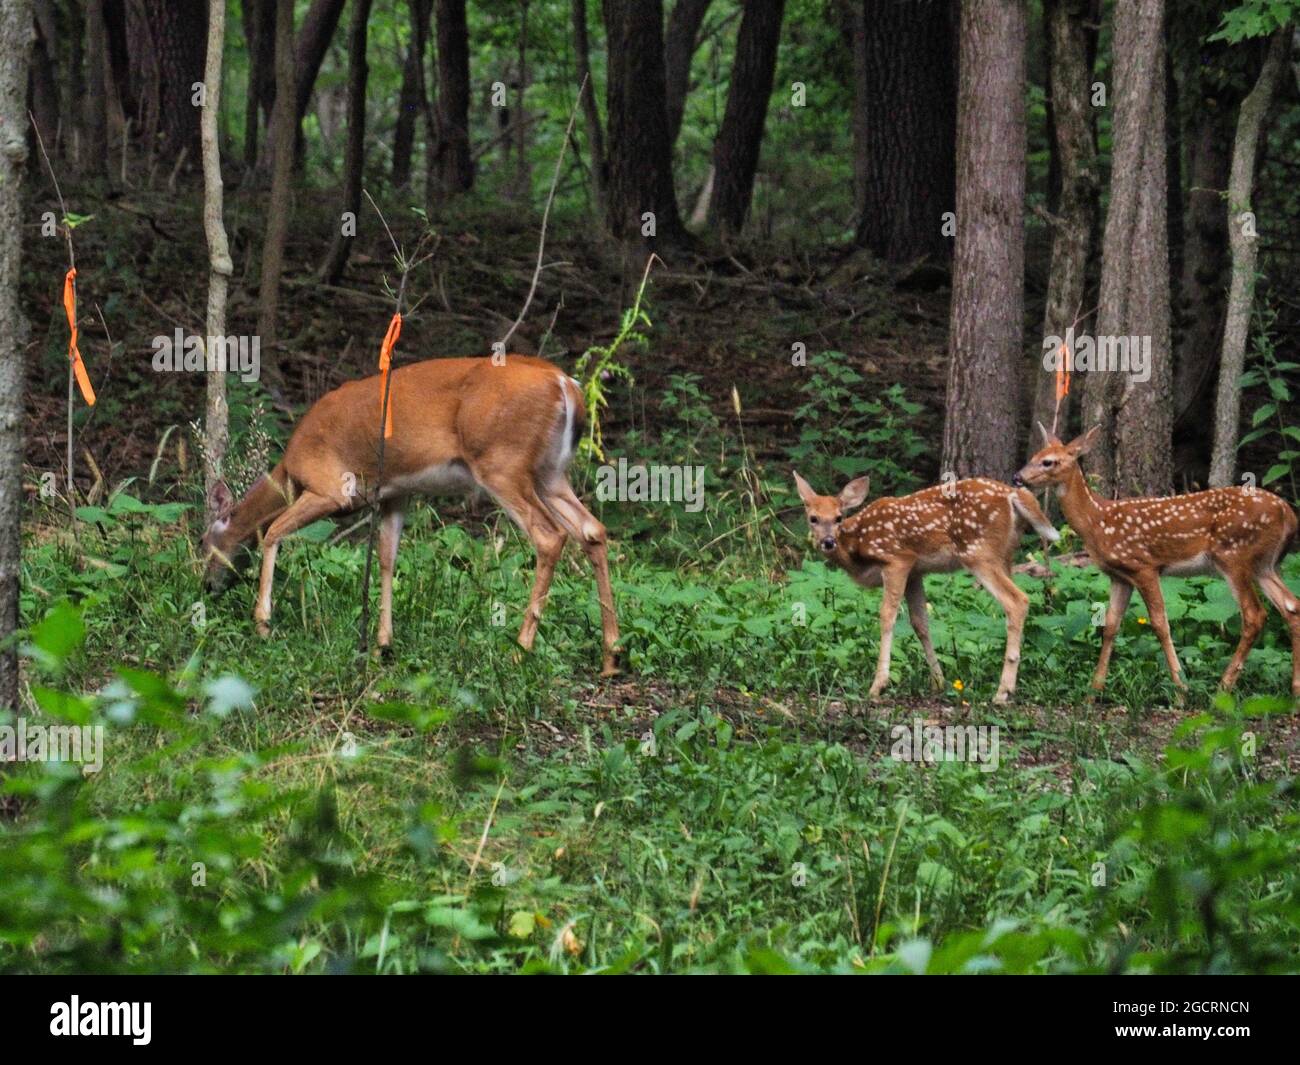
385, 652
1003, 697
264, 629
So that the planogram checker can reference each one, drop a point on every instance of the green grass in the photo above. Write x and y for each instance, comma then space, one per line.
467, 807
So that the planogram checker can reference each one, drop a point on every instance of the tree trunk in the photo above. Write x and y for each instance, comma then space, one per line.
1134, 456
855, 17
165, 42
355, 158
216, 422
318, 27
642, 200
590, 110
910, 96
73, 29
15, 46
735, 153
1245, 251
284, 126
679, 49
43, 93
1201, 295
96, 103
987, 317
411, 101
453, 166
1076, 203
259, 33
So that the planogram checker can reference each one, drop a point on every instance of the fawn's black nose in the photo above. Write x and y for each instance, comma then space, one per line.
1018, 481
828, 544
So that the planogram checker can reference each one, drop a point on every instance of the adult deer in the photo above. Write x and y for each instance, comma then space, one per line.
974, 525
508, 428
1239, 533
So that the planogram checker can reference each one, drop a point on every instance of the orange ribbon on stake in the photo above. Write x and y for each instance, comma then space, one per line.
74, 353
1063, 376
385, 362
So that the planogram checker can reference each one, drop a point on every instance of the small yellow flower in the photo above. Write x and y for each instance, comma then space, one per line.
1142, 621
958, 685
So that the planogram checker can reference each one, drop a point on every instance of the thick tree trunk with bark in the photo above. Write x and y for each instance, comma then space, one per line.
1201, 297
43, 94
259, 34
735, 152
318, 27
96, 104
411, 101
165, 43
682, 36
1076, 203
1134, 456
590, 111
354, 160
216, 422
907, 129
640, 159
1243, 233
15, 46
452, 167
987, 317
284, 126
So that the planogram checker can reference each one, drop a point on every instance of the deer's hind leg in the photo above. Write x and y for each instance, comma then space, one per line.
1285, 600
920, 621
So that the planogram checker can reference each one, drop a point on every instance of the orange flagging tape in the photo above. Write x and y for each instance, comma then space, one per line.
1062, 377
74, 353
386, 361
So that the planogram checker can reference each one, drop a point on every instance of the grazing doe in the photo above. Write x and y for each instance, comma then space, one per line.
974, 525
1239, 533
459, 425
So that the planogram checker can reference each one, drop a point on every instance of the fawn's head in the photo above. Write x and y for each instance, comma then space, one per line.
1054, 463
219, 541
827, 513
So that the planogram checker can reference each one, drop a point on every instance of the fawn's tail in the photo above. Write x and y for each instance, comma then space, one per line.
1024, 504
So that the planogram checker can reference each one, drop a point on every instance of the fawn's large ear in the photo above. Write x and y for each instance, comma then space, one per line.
220, 500
855, 492
1049, 438
806, 492
1081, 445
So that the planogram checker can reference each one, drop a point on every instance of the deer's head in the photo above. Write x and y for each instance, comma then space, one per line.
827, 513
219, 543
1056, 461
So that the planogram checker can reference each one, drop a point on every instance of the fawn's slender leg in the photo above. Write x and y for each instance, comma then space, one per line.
1147, 582
1120, 594
590, 535
1253, 617
894, 578
920, 620
303, 511
527, 511
1015, 603
1282, 597
390, 532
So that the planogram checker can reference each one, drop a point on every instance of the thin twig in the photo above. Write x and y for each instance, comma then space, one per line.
546, 215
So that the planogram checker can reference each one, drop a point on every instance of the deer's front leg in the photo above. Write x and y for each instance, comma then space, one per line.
917, 615
894, 579
303, 511
1148, 585
1120, 593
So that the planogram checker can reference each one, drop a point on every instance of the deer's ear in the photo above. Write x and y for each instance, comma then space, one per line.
855, 492
1048, 437
220, 499
806, 492
1081, 445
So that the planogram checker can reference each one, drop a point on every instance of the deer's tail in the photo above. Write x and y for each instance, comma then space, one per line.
1024, 504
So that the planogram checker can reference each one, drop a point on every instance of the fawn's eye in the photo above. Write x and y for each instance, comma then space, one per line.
1048, 463
839, 518
812, 520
